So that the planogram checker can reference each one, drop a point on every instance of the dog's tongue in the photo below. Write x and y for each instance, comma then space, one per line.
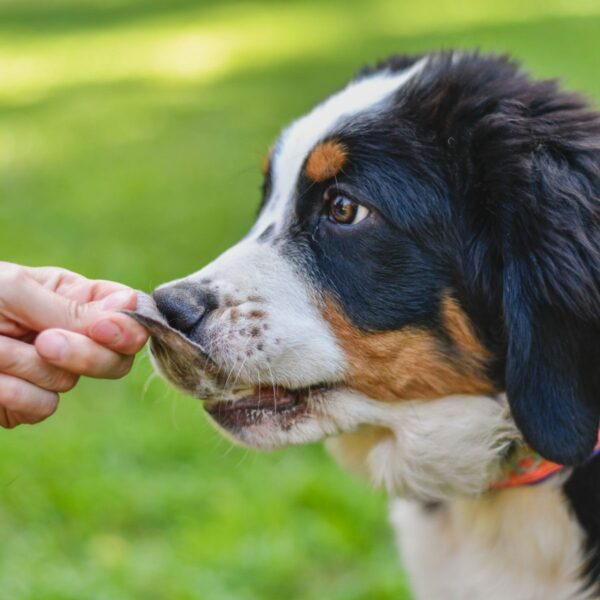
163, 335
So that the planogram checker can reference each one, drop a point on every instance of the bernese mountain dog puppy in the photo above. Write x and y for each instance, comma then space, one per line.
422, 288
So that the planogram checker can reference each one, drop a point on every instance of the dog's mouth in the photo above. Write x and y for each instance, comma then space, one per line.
264, 404
255, 414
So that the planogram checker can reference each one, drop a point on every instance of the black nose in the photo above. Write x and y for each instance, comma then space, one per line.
184, 305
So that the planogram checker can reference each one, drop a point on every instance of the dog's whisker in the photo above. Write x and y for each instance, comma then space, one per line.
152, 377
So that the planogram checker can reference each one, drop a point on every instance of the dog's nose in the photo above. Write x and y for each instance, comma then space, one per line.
184, 305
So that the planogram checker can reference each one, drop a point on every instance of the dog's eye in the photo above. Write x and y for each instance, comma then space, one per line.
346, 212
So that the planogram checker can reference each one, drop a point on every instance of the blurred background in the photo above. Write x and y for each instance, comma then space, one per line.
131, 135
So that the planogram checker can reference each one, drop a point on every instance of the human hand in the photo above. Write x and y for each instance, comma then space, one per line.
56, 325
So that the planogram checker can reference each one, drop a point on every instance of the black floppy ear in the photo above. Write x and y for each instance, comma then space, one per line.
550, 250
551, 370
535, 160
525, 160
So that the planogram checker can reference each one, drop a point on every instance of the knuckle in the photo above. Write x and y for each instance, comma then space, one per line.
17, 407
9, 422
59, 273
6, 419
11, 276
87, 362
12, 273
75, 311
11, 393
10, 361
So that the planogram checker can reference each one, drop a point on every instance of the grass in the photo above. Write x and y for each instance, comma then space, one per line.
130, 138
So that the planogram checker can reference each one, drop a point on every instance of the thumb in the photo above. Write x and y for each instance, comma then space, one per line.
33, 306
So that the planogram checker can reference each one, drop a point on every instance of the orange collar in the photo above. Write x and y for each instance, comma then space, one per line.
524, 466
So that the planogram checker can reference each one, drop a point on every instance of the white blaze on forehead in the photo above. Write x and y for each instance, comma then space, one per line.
302, 135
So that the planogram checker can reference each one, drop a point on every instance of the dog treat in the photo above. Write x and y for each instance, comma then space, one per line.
163, 335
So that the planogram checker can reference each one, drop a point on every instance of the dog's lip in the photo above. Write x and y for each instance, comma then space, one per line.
267, 398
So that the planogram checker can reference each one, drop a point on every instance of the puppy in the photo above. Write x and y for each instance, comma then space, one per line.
422, 288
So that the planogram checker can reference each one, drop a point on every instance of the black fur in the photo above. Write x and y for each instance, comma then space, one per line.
486, 183
527, 189
483, 184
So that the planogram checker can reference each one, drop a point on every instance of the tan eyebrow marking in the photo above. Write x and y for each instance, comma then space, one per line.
326, 160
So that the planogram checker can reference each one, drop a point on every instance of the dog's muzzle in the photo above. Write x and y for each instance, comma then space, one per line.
173, 329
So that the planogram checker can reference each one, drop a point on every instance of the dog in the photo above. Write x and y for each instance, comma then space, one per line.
421, 287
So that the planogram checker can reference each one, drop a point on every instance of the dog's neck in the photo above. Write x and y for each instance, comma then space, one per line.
433, 450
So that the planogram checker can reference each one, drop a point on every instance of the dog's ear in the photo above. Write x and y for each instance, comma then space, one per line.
553, 343
539, 174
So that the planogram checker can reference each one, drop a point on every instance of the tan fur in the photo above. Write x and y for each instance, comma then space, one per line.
326, 160
351, 449
461, 331
411, 363
266, 163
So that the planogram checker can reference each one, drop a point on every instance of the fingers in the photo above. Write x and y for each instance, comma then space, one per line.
11, 329
83, 333
29, 303
81, 355
74, 286
22, 360
23, 402
118, 332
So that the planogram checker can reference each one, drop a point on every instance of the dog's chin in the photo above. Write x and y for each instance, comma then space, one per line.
267, 417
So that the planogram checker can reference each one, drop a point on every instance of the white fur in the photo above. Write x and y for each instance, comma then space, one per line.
296, 142
520, 543
296, 348
429, 450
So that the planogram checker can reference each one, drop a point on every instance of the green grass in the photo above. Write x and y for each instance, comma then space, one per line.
131, 133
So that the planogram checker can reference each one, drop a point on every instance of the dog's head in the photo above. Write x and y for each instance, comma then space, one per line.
431, 229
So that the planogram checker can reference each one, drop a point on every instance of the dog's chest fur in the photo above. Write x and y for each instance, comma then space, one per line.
458, 540
521, 543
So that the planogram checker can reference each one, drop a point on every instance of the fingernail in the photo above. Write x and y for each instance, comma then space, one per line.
106, 332
53, 346
118, 300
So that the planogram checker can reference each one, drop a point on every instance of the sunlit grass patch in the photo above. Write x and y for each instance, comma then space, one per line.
209, 42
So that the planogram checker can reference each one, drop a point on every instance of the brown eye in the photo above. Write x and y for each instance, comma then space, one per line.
346, 212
